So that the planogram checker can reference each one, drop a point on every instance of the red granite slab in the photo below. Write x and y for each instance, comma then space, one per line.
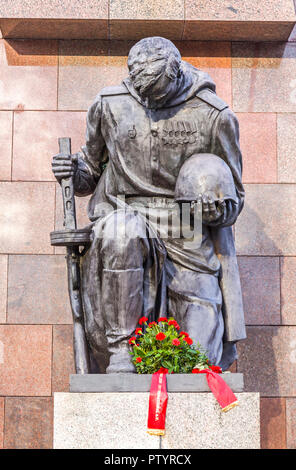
288, 293
28, 74
5, 145
286, 146
258, 141
260, 280
267, 224
41, 129
28, 423
25, 365
267, 358
26, 217
273, 423
291, 422
214, 58
263, 77
63, 359
3, 287
38, 290
1, 422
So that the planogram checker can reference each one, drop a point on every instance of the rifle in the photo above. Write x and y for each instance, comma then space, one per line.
72, 238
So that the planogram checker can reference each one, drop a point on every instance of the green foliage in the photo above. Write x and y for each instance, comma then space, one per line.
151, 354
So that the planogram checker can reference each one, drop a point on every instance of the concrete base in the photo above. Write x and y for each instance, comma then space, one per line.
119, 421
112, 383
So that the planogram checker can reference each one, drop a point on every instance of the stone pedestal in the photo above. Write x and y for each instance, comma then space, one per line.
118, 420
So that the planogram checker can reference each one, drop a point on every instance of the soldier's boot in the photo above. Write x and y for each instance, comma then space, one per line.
122, 304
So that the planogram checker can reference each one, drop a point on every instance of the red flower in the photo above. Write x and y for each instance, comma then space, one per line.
139, 359
143, 320
132, 340
160, 336
138, 331
164, 319
162, 370
176, 342
183, 333
216, 369
175, 324
151, 324
198, 371
188, 340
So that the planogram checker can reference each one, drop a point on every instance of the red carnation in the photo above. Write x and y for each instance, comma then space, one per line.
143, 320
160, 336
164, 319
216, 369
138, 331
162, 370
183, 333
151, 324
198, 371
188, 340
175, 324
139, 359
132, 340
176, 342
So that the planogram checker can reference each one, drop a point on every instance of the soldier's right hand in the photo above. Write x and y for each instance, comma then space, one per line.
63, 166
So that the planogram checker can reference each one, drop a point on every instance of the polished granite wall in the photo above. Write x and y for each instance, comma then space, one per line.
45, 89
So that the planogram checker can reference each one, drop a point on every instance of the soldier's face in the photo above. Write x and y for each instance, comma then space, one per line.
152, 83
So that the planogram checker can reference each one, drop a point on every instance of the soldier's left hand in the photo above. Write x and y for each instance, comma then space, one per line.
211, 210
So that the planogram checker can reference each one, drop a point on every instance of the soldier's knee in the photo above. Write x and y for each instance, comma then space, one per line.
123, 243
124, 225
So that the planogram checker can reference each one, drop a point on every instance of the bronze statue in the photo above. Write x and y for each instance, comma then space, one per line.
139, 134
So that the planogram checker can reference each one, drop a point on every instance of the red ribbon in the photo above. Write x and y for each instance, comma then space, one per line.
221, 391
158, 400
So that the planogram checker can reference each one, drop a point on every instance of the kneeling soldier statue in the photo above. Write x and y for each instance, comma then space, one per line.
159, 140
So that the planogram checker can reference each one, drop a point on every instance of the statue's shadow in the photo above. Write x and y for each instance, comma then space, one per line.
257, 354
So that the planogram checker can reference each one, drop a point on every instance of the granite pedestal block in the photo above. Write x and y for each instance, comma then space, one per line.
219, 20
118, 419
